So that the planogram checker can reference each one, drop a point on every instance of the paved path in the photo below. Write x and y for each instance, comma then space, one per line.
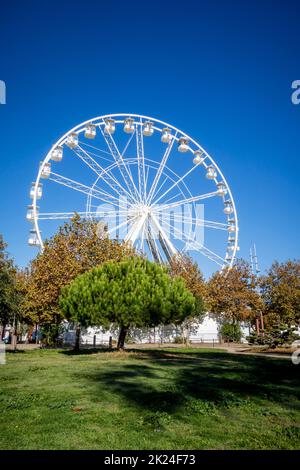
246, 351
232, 348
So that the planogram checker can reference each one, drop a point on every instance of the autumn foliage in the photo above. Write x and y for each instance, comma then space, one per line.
233, 295
75, 249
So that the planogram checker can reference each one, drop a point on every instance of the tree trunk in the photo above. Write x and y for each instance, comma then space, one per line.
77, 338
13, 339
122, 336
3, 330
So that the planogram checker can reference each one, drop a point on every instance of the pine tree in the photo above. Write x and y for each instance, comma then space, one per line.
131, 293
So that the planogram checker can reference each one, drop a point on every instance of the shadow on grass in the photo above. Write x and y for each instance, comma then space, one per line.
17, 351
166, 380
86, 351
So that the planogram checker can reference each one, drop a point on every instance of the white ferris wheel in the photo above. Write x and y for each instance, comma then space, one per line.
146, 181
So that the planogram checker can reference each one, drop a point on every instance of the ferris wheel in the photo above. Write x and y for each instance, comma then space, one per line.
145, 181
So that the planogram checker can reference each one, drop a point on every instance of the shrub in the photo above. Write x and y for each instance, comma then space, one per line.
276, 336
231, 332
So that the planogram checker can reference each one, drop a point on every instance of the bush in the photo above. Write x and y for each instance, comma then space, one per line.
231, 332
275, 337
178, 340
50, 334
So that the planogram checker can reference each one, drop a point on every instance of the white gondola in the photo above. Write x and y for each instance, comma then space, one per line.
166, 135
57, 154
110, 126
231, 228
45, 169
198, 159
228, 209
222, 190
148, 129
30, 213
90, 131
211, 172
129, 126
33, 238
39, 191
183, 145
72, 140
231, 239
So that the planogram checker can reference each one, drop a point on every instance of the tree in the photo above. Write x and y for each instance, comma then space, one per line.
231, 332
9, 300
275, 336
131, 293
75, 249
280, 289
188, 269
232, 294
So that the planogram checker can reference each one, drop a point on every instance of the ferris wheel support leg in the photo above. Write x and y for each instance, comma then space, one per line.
166, 241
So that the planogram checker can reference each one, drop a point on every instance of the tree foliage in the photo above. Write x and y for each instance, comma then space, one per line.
274, 336
280, 289
231, 332
9, 298
188, 269
131, 293
75, 249
232, 294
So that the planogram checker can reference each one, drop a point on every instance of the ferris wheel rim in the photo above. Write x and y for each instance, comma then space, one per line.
80, 128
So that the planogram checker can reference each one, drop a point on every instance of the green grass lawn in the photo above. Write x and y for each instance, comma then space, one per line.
148, 399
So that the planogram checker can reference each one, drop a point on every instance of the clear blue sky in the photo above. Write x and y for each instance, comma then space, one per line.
219, 70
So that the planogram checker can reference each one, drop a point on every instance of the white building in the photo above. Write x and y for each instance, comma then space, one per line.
205, 332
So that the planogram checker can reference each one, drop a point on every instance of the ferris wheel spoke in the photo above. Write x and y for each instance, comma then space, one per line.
128, 143
200, 222
160, 170
136, 228
126, 175
208, 253
163, 183
102, 212
175, 184
180, 234
122, 224
96, 193
173, 197
104, 174
141, 161
109, 160
184, 201
98, 149
64, 215
147, 176
192, 244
